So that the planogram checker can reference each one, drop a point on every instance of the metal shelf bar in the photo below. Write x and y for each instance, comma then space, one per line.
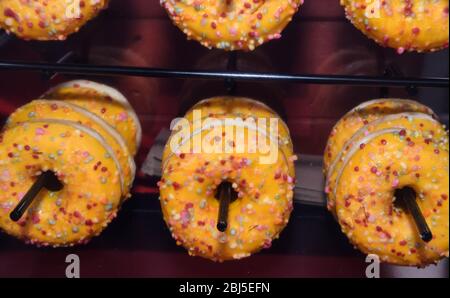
99, 70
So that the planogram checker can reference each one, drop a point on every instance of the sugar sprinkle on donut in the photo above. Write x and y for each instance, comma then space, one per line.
232, 24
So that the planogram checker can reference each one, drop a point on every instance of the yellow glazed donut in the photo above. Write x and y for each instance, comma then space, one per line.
232, 24
81, 159
50, 109
47, 19
420, 123
388, 154
405, 25
107, 103
362, 115
190, 180
364, 201
221, 107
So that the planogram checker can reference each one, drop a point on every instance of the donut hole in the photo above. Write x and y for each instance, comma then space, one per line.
408, 196
223, 186
401, 195
226, 194
52, 182
46, 180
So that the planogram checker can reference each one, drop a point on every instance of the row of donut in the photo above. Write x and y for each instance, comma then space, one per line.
414, 25
86, 133
378, 148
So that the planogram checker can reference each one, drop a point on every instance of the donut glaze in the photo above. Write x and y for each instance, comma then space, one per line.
46, 19
104, 101
387, 153
222, 107
188, 188
49, 109
421, 124
81, 159
405, 25
393, 159
362, 115
232, 24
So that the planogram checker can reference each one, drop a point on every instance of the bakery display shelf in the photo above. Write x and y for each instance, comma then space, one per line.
103, 70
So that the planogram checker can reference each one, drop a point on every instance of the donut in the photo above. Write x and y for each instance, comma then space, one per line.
190, 180
418, 122
104, 101
232, 24
81, 159
412, 25
47, 19
221, 107
408, 149
362, 115
51, 109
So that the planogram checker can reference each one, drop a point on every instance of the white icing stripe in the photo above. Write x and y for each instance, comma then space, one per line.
233, 123
356, 147
245, 99
363, 130
237, 116
194, 123
102, 123
93, 134
237, 99
396, 100
111, 92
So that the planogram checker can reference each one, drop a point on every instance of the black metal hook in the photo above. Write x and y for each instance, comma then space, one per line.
47, 180
225, 194
408, 195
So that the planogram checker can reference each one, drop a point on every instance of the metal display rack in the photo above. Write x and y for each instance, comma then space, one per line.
99, 70
231, 75
391, 77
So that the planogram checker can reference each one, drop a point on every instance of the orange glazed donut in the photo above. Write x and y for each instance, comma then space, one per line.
405, 25
190, 180
362, 115
232, 24
47, 19
53, 109
389, 153
81, 159
106, 102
